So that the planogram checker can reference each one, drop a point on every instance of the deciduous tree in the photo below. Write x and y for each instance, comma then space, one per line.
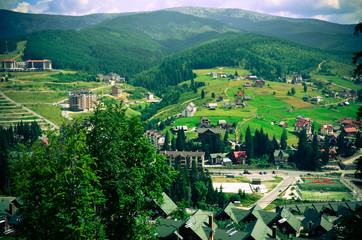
130, 171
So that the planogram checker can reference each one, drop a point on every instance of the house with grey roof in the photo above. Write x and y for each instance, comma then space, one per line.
189, 110
204, 132
281, 157
163, 208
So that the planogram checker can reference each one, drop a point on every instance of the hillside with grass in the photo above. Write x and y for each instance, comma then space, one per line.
267, 108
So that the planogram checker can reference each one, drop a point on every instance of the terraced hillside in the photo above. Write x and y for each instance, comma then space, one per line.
11, 113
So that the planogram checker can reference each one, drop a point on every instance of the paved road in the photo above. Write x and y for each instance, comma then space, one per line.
352, 159
53, 126
273, 194
289, 177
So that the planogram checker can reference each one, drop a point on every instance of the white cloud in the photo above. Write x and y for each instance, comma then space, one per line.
26, 7
329, 3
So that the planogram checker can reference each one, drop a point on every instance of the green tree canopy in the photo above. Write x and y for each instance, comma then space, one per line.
131, 172
59, 188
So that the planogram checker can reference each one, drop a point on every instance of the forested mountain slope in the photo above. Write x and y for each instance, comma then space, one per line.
95, 51
16, 23
311, 32
173, 30
126, 45
268, 57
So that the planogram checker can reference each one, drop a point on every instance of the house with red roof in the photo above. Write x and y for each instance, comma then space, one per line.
350, 130
303, 123
326, 129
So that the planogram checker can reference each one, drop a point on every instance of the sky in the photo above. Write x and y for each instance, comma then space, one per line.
337, 11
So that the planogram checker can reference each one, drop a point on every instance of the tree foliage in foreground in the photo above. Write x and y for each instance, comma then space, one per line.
131, 173
59, 188
94, 180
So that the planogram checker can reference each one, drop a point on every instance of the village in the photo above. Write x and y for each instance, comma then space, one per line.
233, 170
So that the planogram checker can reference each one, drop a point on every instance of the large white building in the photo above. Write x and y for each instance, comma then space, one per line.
10, 65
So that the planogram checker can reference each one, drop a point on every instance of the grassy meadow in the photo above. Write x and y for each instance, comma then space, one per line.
268, 105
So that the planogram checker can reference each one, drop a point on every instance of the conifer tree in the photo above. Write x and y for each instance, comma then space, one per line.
166, 145
314, 164
249, 143
283, 140
325, 154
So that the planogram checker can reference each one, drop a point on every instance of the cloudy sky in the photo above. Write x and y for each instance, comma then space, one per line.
338, 11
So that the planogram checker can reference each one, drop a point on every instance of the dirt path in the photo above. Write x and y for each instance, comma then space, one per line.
238, 127
226, 89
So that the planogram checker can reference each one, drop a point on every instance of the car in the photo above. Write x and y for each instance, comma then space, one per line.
273, 172
261, 173
264, 172
309, 174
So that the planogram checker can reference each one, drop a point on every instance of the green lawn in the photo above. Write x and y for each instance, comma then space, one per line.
339, 81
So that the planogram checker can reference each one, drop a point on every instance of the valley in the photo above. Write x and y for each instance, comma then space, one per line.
162, 120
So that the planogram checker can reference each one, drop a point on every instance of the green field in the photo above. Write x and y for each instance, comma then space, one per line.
326, 196
339, 81
52, 113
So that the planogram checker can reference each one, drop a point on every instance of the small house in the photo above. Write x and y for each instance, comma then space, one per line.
303, 123
259, 83
189, 110
280, 157
317, 99
116, 91
283, 124
204, 122
149, 95
240, 102
326, 129
228, 105
222, 123
350, 131
240, 93
298, 78
247, 98
205, 132
248, 84
217, 158
212, 106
